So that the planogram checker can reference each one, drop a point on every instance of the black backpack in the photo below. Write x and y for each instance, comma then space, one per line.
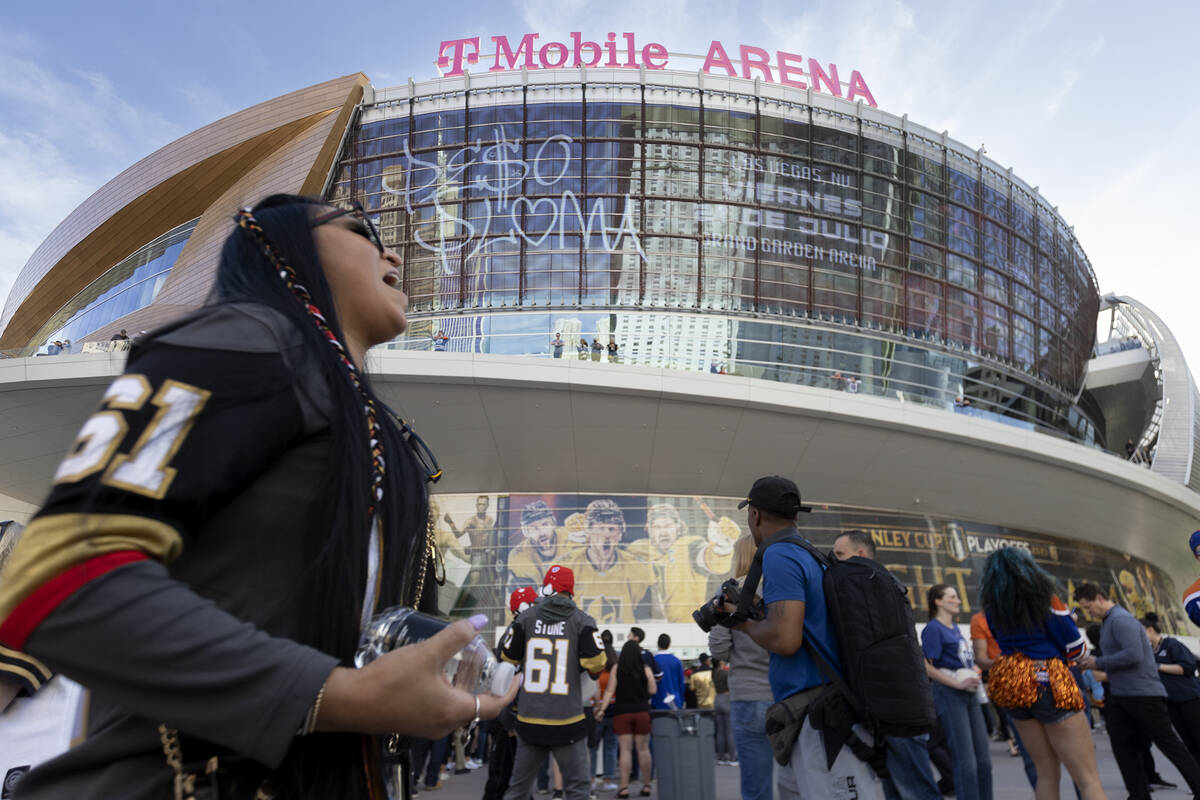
883, 675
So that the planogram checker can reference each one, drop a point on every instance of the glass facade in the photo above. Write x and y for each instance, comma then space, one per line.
787, 241
653, 559
124, 288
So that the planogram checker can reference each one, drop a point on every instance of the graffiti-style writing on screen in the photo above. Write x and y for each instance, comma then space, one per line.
478, 195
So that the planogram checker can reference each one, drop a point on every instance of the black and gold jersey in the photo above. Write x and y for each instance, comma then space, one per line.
556, 643
167, 570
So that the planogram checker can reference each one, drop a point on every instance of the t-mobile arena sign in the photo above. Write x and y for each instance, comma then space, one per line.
457, 55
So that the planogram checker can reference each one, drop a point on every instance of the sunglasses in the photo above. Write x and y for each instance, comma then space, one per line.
361, 224
425, 456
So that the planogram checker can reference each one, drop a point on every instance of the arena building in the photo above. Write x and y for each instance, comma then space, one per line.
635, 290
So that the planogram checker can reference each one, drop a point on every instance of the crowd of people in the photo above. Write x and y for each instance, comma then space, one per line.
226, 526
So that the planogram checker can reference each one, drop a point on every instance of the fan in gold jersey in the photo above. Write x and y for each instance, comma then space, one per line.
683, 562
613, 586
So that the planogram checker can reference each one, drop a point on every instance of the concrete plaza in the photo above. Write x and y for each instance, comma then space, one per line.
1007, 774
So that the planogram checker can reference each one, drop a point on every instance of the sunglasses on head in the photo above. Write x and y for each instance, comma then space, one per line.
361, 224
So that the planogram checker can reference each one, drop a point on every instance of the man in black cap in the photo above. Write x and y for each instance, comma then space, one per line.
795, 607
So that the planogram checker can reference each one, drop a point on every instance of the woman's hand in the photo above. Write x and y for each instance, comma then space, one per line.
406, 691
969, 684
598, 712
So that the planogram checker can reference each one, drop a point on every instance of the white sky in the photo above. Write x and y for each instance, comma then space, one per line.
1087, 100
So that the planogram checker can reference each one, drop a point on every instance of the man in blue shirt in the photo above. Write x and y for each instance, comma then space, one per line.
670, 685
795, 608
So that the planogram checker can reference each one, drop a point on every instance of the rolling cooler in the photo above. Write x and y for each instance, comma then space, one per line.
684, 753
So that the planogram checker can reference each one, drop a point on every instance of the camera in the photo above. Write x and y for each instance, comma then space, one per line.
708, 616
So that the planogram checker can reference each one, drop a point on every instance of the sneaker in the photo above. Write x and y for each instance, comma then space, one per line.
435, 787
443, 776
609, 786
473, 764
543, 790
462, 771
558, 793
732, 763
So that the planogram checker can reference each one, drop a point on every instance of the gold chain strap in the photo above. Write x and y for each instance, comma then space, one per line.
429, 536
185, 782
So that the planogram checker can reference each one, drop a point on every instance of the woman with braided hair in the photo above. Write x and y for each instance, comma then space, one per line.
226, 524
1030, 677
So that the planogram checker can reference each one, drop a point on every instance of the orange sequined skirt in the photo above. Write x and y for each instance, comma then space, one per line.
1013, 682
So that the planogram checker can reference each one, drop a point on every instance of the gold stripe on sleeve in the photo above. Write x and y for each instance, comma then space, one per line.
10, 656
594, 663
52, 545
26, 675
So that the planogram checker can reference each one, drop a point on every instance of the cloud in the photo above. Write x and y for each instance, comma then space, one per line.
63, 133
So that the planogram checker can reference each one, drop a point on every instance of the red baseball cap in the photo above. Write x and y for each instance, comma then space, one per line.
561, 579
522, 598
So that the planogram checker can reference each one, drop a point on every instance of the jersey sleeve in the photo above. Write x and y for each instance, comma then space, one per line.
24, 670
512, 647
203, 408
1070, 642
197, 415
591, 648
1191, 602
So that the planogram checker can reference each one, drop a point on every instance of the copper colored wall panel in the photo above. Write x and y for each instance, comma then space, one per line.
183, 180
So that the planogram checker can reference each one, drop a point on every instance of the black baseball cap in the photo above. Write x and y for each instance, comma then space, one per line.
776, 495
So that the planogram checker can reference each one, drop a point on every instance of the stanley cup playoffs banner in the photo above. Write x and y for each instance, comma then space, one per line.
653, 559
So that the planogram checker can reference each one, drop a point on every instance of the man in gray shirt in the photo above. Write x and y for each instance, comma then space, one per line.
1137, 706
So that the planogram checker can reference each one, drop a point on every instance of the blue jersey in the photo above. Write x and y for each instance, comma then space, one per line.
1058, 638
791, 573
670, 685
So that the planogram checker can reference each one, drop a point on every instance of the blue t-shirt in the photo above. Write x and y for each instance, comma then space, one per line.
945, 647
791, 573
671, 684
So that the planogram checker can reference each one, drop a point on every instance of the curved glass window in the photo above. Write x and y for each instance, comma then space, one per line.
646, 197
124, 288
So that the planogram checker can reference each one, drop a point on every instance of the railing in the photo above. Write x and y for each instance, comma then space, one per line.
856, 364
853, 362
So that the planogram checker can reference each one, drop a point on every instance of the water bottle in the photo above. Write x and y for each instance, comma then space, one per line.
474, 668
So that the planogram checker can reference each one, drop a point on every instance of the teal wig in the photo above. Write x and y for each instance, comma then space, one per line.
1014, 591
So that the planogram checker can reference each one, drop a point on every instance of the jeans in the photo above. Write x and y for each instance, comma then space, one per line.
726, 749
909, 770
1133, 721
962, 718
435, 752
611, 748
481, 743
756, 762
